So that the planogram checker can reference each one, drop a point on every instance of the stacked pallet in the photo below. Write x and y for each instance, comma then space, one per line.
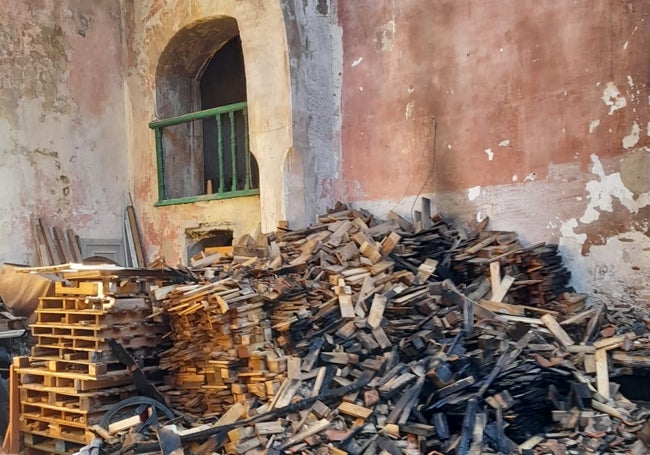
72, 377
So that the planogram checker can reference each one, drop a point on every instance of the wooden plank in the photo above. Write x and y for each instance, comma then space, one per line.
73, 244
317, 427
480, 245
602, 373
503, 308
371, 252
61, 247
389, 243
346, 307
43, 245
354, 410
376, 313
52, 246
500, 292
495, 275
612, 342
557, 331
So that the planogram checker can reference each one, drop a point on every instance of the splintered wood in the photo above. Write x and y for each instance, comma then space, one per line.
362, 336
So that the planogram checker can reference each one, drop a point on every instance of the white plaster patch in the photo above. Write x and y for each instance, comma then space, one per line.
515, 178
593, 125
625, 45
490, 154
449, 146
613, 98
387, 32
630, 81
648, 129
531, 177
633, 138
356, 62
474, 192
567, 230
410, 90
602, 191
504, 143
360, 89
409, 110
479, 216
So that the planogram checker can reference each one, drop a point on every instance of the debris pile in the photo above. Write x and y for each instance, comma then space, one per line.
402, 339
362, 336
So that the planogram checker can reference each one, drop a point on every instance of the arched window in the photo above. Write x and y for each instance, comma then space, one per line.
202, 135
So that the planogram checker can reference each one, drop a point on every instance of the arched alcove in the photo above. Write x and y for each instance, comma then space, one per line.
183, 61
203, 145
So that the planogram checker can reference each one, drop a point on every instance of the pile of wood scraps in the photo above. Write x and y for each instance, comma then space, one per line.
362, 336
222, 347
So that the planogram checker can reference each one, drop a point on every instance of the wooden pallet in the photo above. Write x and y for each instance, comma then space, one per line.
97, 356
79, 382
69, 398
37, 443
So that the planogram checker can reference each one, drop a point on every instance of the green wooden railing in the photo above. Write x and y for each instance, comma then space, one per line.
236, 188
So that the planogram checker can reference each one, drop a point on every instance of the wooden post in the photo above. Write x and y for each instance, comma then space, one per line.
11, 443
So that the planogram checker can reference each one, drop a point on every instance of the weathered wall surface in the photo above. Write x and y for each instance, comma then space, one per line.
534, 113
315, 57
151, 24
62, 132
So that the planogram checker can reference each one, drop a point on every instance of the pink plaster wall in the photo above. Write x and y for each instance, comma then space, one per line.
63, 151
529, 73
532, 113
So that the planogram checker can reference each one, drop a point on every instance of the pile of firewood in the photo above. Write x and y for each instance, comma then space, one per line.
361, 336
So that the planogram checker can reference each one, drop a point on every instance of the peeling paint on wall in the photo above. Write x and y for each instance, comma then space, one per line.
613, 98
632, 139
605, 189
473, 193
386, 33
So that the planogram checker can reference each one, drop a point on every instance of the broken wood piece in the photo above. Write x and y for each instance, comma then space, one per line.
376, 313
371, 252
531, 443
317, 427
354, 410
264, 428
503, 308
500, 292
602, 373
346, 307
389, 243
557, 331
613, 342
495, 275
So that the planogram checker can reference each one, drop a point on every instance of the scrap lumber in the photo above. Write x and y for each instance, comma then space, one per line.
426, 361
